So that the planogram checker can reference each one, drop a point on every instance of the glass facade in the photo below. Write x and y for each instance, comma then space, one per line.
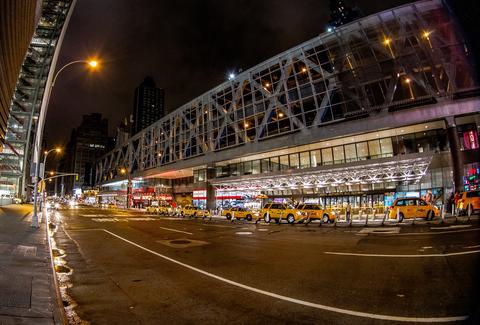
428, 141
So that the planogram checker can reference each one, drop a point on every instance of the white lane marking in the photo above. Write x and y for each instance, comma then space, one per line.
392, 230
450, 227
263, 229
219, 226
475, 246
184, 232
123, 219
433, 233
404, 255
294, 300
244, 233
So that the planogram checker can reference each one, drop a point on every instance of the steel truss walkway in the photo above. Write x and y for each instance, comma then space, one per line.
396, 59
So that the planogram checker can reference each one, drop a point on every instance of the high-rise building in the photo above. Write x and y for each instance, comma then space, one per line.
149, 105
87, 143
341, 13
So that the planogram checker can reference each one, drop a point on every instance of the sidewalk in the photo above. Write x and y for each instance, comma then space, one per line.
27, 290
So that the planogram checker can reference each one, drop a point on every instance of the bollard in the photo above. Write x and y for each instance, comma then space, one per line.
335, 221
398, 214
469, 212
233, 216
280, 219
366, 220
442, 214
385, 217
455, 212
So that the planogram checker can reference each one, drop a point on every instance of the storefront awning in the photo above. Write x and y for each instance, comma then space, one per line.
409, 168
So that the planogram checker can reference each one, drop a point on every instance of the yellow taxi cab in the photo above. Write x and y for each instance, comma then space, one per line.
239, 213
165, 209
469, 202
109, 205
316, 211
191, 211
277, 211
412, 208
153, 207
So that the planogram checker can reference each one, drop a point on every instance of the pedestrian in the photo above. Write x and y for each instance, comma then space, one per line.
348, 211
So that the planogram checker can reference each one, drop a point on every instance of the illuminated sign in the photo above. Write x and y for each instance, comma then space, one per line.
470, 140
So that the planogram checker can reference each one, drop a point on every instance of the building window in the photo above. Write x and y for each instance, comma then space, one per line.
294, 161
374, 149
350, 152
284, 165
338, 155
327, 156
305, 159
386, 147
316, 158
362, 151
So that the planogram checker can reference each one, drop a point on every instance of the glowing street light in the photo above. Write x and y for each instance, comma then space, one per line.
231, 76
93, 63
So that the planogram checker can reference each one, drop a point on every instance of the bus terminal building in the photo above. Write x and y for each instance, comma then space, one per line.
382, 107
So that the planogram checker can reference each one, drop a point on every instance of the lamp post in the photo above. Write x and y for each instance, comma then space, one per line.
124, 171
46, 153
39, 134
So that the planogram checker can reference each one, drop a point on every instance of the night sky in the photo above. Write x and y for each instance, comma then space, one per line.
187, 46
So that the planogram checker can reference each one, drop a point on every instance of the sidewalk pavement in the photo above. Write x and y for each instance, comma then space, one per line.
27, 287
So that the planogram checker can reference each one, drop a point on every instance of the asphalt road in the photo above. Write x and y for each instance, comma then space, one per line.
132, 268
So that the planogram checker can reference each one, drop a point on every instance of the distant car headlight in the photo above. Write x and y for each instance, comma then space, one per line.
57, 205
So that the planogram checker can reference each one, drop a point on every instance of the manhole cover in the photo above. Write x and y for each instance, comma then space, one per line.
180, 242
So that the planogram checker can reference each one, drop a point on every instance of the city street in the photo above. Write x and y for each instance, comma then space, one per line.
135, 268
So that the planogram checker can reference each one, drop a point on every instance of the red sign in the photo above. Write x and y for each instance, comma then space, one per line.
470, 139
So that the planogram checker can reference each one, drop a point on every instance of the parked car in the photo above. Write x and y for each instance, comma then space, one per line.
316, 211
277, 211
191, 211
165, 209
469, 202
153, 208
412, 208
240, 213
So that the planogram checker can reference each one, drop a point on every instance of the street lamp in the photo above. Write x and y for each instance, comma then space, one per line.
92, 64
124, 171
46, 153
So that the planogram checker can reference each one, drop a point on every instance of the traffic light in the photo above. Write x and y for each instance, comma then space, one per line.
76, 177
